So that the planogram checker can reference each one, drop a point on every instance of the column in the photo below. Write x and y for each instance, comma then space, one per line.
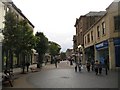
95, 53
83, 56
111, 54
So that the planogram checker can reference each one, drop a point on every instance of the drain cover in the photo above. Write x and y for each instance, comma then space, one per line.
65, 77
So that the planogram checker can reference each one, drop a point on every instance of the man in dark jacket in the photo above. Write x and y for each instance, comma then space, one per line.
27, 64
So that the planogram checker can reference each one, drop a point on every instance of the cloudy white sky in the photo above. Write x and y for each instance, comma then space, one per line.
56, 18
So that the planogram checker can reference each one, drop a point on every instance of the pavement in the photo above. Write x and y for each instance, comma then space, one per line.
63, 76
20, 80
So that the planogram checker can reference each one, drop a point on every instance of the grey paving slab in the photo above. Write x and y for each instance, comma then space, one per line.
68, 78
65, 77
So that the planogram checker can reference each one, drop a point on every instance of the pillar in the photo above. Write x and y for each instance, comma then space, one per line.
111, 54
95, 53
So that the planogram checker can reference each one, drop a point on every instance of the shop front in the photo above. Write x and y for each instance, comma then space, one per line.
102, 51
117, 51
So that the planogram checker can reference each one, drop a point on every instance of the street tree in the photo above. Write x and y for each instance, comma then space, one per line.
9, 41
18, 38
26, 40
54, 49
41, 47
63, 55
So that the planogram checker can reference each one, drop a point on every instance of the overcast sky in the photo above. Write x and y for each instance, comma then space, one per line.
56, 18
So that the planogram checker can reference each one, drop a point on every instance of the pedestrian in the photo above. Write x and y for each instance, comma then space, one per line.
27, 64
71, 61
96, 67
100, 68
92, 64
76, 67
106, 64
55, 60
88, 66
80, 65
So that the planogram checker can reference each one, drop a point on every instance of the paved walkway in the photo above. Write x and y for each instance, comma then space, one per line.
22, 81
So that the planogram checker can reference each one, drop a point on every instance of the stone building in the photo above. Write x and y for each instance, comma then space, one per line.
104, 36
82, 24
69, 53
6, 6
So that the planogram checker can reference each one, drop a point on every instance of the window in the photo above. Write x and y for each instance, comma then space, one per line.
4, 7
117, 23
88, 38
98, 31
91, 35
103, 28
85, 39
7, 9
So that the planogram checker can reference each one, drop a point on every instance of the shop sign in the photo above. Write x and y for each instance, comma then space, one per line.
117, 41
102, 45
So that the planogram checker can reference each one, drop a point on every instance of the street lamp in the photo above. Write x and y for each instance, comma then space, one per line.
80, 54
79, 46
1, 39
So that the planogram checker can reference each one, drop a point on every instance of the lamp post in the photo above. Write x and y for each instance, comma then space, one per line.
1, 39
80, 54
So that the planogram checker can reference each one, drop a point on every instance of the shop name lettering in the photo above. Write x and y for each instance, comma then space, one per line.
99, 45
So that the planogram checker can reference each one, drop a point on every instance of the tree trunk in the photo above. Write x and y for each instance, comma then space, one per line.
3, 53
11, 59
7, 67
40, 60
23, 63
18, 60
31, 59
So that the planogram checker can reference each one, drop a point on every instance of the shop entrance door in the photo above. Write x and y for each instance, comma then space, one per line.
117, 56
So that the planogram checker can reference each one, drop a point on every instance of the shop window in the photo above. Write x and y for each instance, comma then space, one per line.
117, 23
98, 31
103, 28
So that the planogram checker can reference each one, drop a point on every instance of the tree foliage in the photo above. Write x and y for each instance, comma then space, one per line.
25, 37
54, 48
63, 55
41, 46
10, 31
18, 36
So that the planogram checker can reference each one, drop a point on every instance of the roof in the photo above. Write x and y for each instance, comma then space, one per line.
19, 11
92, 13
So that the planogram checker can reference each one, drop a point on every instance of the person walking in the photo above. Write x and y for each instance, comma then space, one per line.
96, 67
100, 68
106, 64
80, 65
92, 64
27, 64
75, 67
55, 60
88, 66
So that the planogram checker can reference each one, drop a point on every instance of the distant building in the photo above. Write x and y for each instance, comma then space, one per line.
69, 53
